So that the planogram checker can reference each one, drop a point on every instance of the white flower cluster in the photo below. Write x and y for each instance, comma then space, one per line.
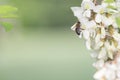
110, 70
97, 25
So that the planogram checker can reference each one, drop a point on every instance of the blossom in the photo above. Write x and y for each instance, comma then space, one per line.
99, 64
87, 13
102, 53
88, 24
107, 20
110, 70
99, 9
99, 28
87, 4
88, 44
77, 11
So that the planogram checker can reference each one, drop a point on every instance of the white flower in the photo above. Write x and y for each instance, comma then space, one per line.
99, 64
111, 66
110, 54
92, 33
107, 21
87, 4
118, 47
104, 4
86, 34
94, 54
88, 24
102, 53
98, 18
77, 11
118, 73
98, 42
110, 71
91, 24
115, 24
99, 74
98, 45
88, 44
99, 9
118, 61
103, 32
110, 49
116, 36
83, 20
104, 41
110, 74
87, 13
97, 38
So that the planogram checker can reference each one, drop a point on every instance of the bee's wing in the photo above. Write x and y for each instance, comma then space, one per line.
74, 27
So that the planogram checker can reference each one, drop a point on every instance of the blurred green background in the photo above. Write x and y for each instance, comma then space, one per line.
41, 45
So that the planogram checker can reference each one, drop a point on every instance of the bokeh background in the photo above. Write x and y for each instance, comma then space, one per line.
41, 46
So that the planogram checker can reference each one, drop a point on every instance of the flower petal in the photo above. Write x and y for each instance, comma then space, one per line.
98, 18
99, 75
86, 34
102, 53
99, 64
110, 54
98, 45
97, 38
88, 44
87, 4
87, 13
77, 11
107, 21
103, 32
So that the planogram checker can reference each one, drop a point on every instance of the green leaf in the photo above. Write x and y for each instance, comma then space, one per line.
7, 26
109, 1
6, 9
118, 22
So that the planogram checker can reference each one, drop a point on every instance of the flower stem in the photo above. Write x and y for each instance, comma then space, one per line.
95, 2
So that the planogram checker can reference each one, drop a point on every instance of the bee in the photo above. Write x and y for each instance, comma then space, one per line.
77, 28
